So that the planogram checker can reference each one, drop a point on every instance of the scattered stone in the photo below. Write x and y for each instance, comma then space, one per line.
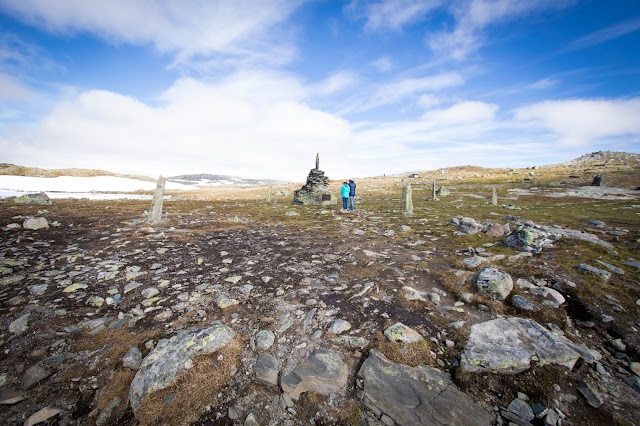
434, 298
33, 376
150, 292
224, 302
166, 361
20, 325
420, 395
353, 342
400, 332
472, 262
494, 284
35, 223
633, 381
267, 369
603, 275
506, 345
404, 228
264, 340
292, 213
131, 286
635, 367
521, 409
251, 420
523, 303
323, 372
10, 396
41, 415
105, 414
132, 359
596, 224
611, 267
591, 395
339, 326
413, 295
469, 226
245, 289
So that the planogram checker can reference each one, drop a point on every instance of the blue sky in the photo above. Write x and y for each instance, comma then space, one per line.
257, 87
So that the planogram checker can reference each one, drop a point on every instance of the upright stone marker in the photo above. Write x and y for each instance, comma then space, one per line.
269, 194
494, 197
155, 213
407, 202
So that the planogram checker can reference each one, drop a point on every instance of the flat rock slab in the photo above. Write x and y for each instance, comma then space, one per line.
166, 361
418, 396
267, 368
506, 345
323, 372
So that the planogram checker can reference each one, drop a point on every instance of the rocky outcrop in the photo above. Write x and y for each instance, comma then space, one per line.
323, 372
166, 361
534, 238
417, 396
508, 345
40, 199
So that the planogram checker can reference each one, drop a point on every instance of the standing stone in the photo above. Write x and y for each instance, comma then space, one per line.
316, 191
407, 202
433, 191
269, 194
494, 196
155, 213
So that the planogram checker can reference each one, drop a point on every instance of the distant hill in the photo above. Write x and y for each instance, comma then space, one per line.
15, 170
204, 179
604, 158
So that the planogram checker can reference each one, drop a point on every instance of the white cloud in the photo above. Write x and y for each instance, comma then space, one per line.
583, 122
545, 83
609, 33
391, 14
11, 89
336, 82
236, 28
382, 64
463, 112
248, 124
473, 16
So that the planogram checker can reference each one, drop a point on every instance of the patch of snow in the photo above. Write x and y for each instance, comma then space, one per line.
25, 184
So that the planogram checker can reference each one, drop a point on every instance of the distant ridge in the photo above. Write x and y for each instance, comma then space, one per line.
604, 158
205, 179
15, 170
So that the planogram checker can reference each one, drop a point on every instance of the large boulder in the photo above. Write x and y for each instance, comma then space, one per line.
469, 226
417, 396
323, 372
507, 345
166, 361
35, 223
39, 198
534, 238
494, 284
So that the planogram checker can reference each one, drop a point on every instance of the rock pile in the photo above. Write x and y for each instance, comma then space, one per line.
315, 192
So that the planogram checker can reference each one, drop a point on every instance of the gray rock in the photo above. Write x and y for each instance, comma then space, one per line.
351, 341
469, 226
494, 284
400, 332
20, 325
132, 359
506, 345
264, 340
473, 261
39, 199
267, 369
596, 223
591, 395
105, 414
35, 223
633, 381
150, 292
535, 238
551, 418
611, 267
33, 376
166, 361
417, 396
323, 372
523, 303
434, 298
155, 211
522, 409
339, 326
404, 228
41, 416
601, 274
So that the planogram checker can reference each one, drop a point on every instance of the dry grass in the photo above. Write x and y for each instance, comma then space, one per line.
119, 342
194, 390
118, 387
412, 354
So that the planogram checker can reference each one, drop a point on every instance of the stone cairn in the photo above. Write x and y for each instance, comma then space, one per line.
598, 180
316, 191
407, 202
155, 212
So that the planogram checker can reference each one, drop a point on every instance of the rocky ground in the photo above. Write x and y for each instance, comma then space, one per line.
255, 312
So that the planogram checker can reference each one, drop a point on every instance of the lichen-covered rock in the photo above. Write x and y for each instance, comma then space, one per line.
507, 345
418, 396
494, 284
601, 274
323, 372
400, 332
264, 339
39, 199
469, 226
530, 239
166, 361
521, 302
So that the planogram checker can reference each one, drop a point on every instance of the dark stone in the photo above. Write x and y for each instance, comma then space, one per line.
267, 369
598, 180
421, 395
315, 192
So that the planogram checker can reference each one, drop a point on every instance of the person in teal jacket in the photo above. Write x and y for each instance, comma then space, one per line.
344, 191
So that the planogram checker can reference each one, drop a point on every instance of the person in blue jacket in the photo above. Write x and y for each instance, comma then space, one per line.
344, 191
352, 193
